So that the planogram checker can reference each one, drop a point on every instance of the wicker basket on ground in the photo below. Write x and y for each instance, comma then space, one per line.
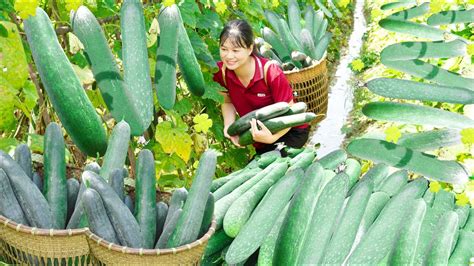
103, 252
21, 244
311, 86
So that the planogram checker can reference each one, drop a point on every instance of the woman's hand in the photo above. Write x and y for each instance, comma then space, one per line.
234, 139
262, 135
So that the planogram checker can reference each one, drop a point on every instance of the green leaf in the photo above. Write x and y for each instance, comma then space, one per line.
183, 107
30, 94
13, 65
213, 89
467, 136
210, 21
84, 74
8, 120
201, 50
3, 31
392, 134
398, 156
415, 114
189, 12
7, 144
202, 123
35, 142
170, 181
96, 98
174, 139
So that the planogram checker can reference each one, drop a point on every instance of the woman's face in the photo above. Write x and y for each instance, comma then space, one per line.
233, 57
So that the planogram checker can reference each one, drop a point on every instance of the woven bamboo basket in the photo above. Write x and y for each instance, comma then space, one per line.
311, 86
21, 244
105, 253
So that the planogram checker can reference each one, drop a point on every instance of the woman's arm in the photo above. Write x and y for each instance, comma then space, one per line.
263, 135
228, 113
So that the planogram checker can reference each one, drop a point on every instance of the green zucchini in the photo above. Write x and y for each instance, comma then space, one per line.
267, 249
78, 218
168, 229
393, 183
125, 226
297, 108
375, 205
239, 212
273, 20
443, 203
99, 222
353, 170
322, 46
404, 251
55, 188
393, 5
188, 63
395, 155
383, 233
309, 18
219, 182
116, 181
441, 243
333, 159
93, 167
176, 202
345, 232
451, 17
319, 25
469, 225
136, 72
217, 242
463, 251
224, 203
119, 94
212, 260
463, 214
412, 28
307, 43
410, 13
145, 197
431, 140
243, 123
377, 173
293, 152
323, 8
38, 181
298, 217
411, 90
23, 158
117, 148
63, 87
208, 214
288, 38
167, 53
9, 206
325, 213
235, 182
302, 160
263, 218
267, 158
72, 186
187, 229
278, 123
161, 212
294, 17
277, 45
428, 197
128, 201
34, 205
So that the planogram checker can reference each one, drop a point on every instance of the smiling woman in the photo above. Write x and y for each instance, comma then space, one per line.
253, 82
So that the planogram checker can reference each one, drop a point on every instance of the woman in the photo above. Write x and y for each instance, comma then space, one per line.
242, 73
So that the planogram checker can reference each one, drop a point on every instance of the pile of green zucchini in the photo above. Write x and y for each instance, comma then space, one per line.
291, 44
99, 201
275, 117
301, 210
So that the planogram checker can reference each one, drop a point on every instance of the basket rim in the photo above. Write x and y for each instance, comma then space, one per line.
40, 231
307, 68
150, 252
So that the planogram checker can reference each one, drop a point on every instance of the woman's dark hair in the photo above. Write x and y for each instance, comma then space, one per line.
240, 34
